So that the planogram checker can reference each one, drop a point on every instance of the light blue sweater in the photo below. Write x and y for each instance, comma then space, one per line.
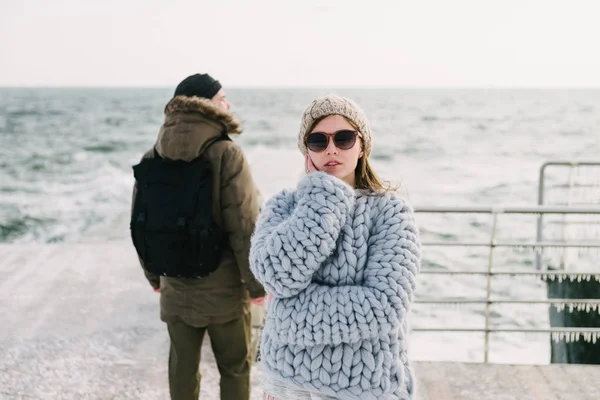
341, 266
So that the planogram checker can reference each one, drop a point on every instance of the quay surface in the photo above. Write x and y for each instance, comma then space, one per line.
79, 321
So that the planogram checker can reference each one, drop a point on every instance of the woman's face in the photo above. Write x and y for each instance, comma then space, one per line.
339, 162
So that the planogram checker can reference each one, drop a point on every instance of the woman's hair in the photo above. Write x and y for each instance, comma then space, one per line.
364, 175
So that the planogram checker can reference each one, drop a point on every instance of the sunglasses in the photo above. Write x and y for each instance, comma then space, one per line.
343, 140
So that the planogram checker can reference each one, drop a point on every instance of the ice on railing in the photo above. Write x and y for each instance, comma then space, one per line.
450, 305
553, 252
579, 197
587, 307
578, 185
561, 276
590, 337
585, 227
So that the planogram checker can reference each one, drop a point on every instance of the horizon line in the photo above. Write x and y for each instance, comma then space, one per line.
423, 87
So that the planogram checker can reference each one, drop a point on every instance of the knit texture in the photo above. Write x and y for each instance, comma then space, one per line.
341, 267
333, 104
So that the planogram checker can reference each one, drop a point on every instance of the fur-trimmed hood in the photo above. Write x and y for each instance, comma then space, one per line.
205, 107
191, 124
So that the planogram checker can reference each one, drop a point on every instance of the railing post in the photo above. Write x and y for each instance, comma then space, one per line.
564, 234
541, 200
489, 287
538, 252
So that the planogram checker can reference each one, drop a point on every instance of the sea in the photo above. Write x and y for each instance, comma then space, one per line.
66, 157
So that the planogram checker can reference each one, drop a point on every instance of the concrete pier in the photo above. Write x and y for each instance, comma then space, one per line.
79, 321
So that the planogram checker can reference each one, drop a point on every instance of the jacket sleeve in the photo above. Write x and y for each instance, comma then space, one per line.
153, 279
239, 211
298, 231
325, 315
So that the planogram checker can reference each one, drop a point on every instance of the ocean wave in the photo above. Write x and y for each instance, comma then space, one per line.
22, 227
75, 166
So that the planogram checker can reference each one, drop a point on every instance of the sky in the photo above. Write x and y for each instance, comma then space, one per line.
335, 43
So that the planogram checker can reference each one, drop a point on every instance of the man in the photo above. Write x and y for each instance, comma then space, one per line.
197, 124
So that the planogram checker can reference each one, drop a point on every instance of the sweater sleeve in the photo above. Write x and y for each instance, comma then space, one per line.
298, 231
325, 315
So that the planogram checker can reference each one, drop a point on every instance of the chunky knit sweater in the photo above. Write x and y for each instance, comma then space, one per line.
341, 266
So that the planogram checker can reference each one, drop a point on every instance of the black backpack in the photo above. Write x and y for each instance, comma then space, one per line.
172, 224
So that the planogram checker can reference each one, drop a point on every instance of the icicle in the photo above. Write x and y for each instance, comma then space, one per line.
571, 306
451, 305
553, 276
560, 307
556, 336
585, 277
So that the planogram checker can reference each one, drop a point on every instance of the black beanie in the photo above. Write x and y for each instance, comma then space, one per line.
201, 85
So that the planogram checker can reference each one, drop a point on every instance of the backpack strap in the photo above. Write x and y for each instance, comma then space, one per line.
206, 145
213, 141
138, 224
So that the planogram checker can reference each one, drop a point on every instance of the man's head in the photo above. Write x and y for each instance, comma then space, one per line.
203, 85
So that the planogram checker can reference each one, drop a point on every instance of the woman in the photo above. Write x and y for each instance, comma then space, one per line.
339, 257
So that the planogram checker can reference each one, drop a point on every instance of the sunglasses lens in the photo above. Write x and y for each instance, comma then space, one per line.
316, 141
345, 139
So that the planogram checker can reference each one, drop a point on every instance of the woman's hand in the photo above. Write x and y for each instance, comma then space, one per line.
259, 301
309, 166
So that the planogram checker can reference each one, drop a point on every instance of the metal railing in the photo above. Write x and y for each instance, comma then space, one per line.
570, 185
541, 210
492, 244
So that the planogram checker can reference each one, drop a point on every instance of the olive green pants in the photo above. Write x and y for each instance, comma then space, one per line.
230, 343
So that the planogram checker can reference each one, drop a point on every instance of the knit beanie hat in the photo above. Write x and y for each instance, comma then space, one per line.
333, 104
200, 85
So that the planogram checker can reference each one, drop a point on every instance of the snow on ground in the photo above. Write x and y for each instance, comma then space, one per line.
81, 322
